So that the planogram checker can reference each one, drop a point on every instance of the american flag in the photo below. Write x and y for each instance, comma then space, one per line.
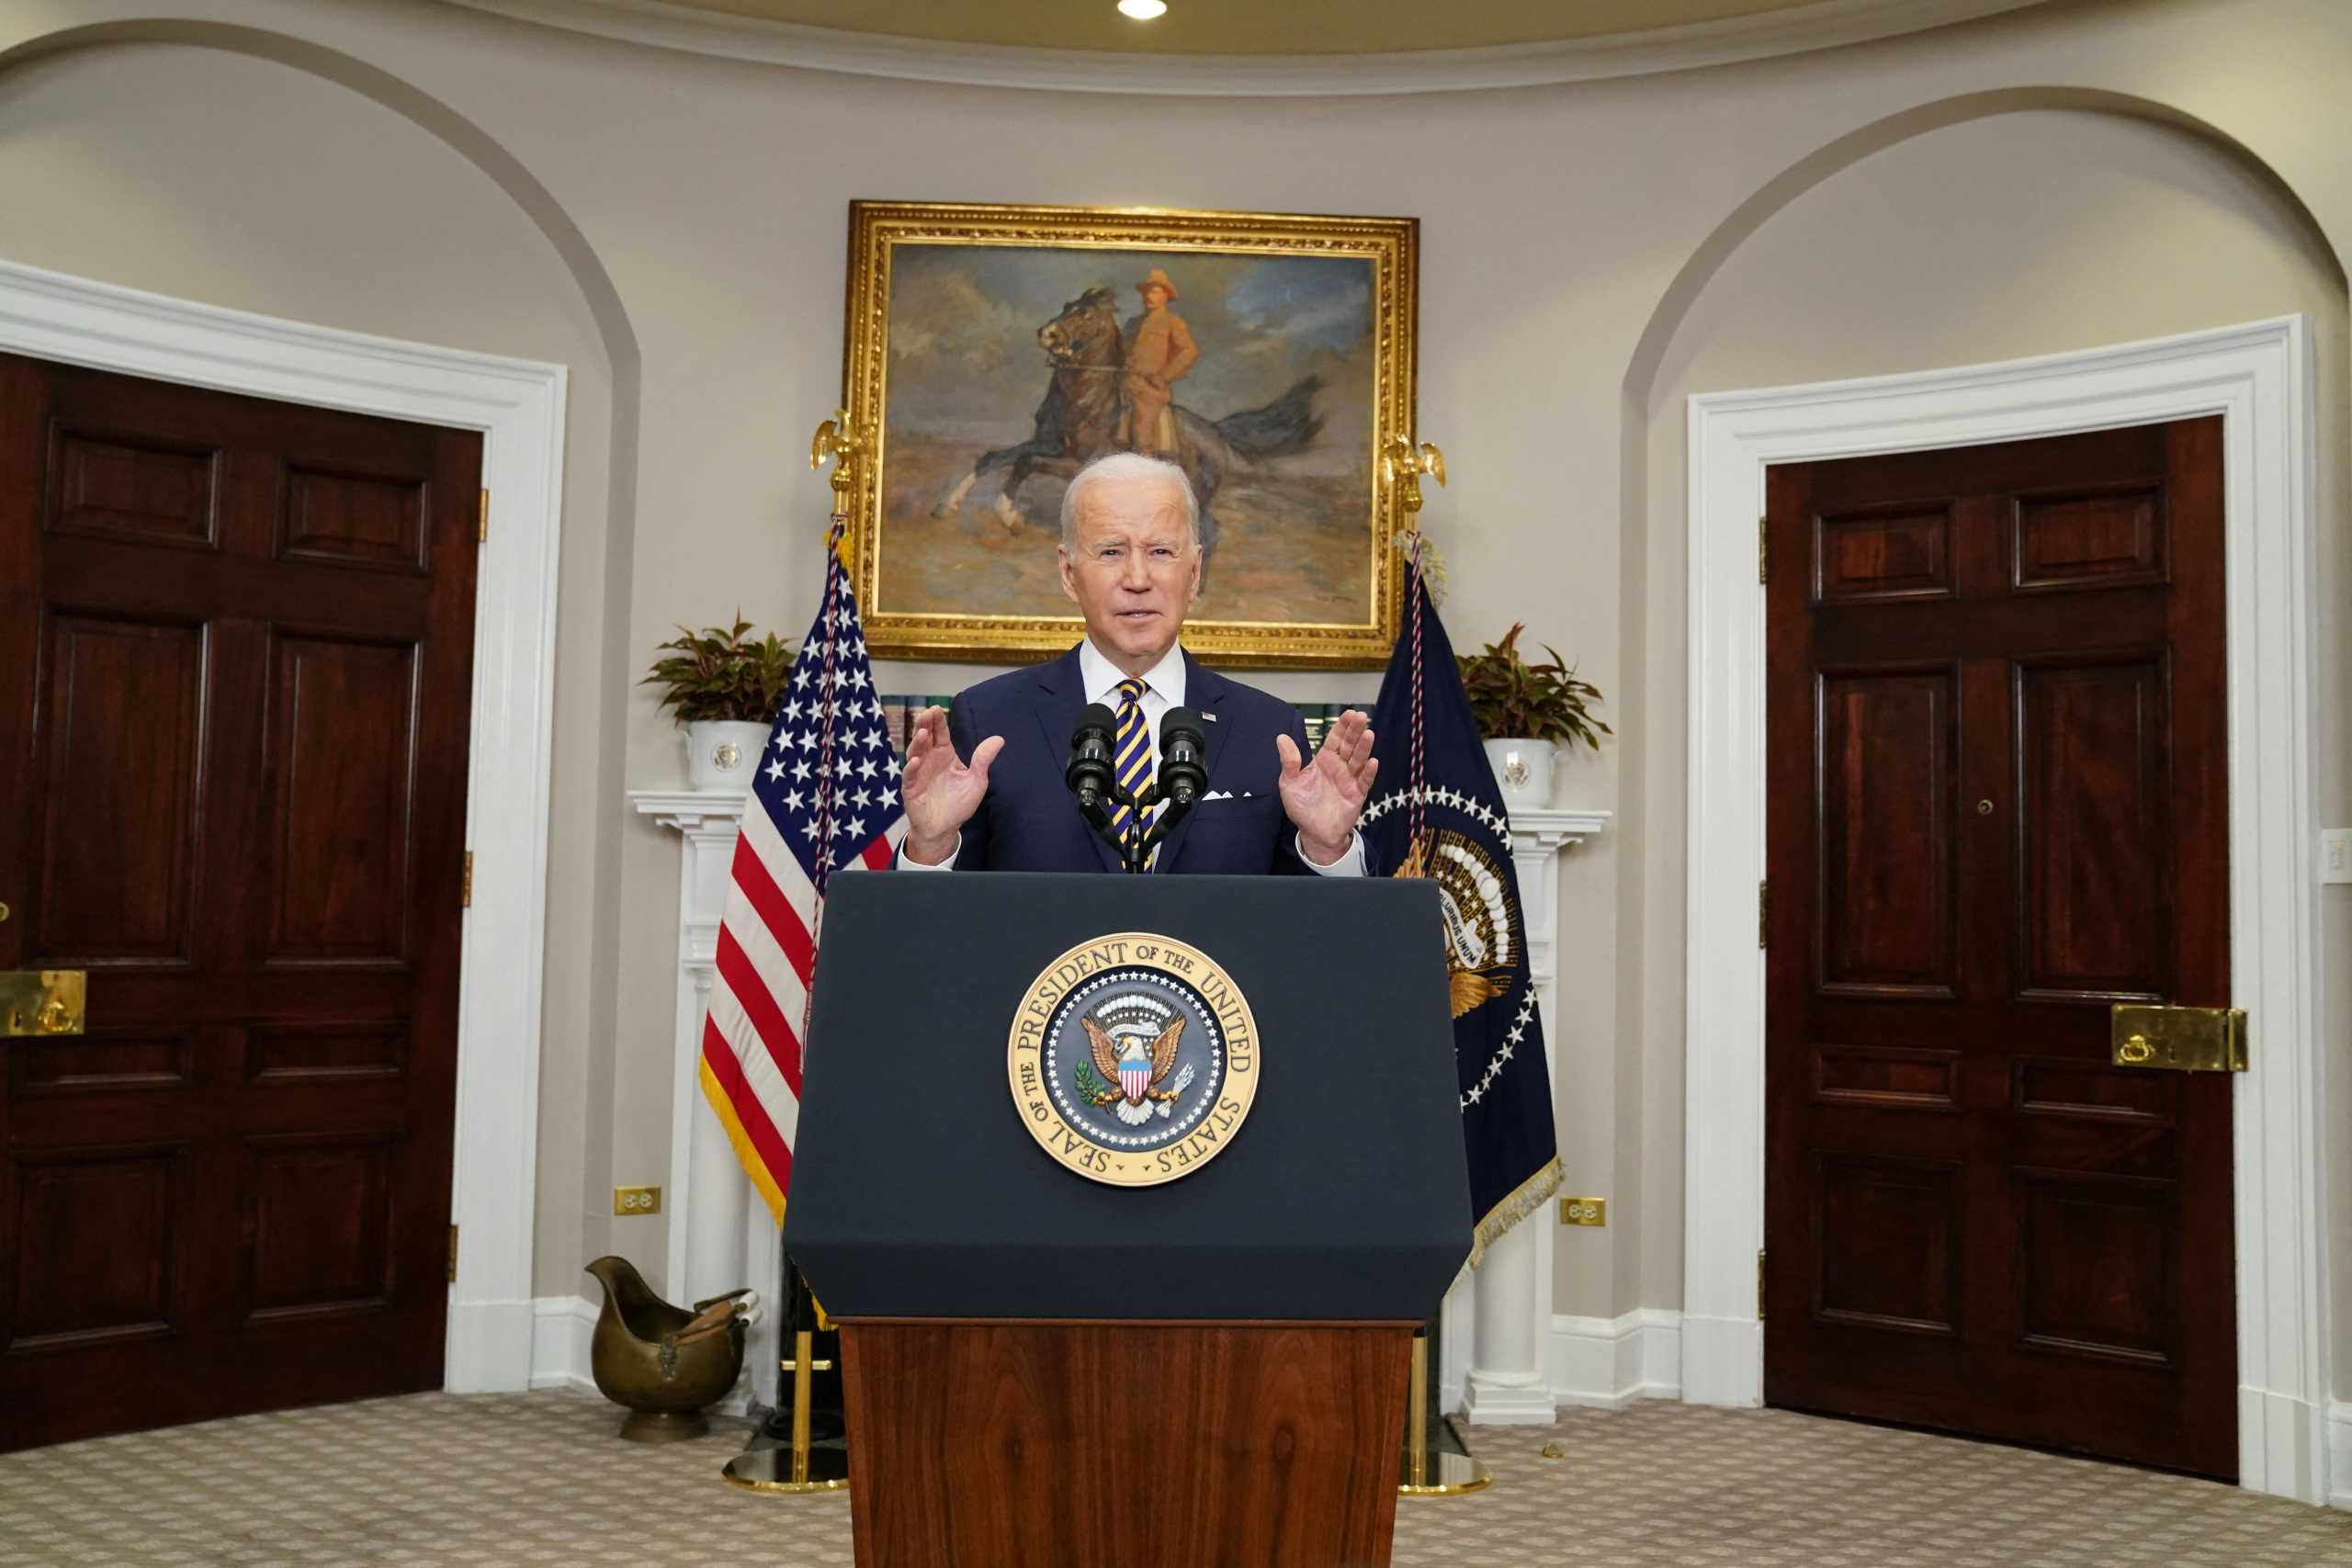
825, 799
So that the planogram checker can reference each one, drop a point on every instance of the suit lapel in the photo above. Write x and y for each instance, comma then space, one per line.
1061, 697
1204, 690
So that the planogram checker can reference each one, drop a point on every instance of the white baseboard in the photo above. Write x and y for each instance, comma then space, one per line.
1490, 1402
2286, 1446
559, 1329
2340, 1454
1598, 1361
1723, 1361
489, 1346
1611, 1362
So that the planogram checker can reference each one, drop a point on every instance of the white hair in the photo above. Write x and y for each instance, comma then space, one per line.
1127, 466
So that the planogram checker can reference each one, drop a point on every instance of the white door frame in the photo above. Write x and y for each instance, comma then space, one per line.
2260, 380
518, 407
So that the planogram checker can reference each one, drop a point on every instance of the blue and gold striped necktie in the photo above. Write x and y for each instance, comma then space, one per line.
1133, 756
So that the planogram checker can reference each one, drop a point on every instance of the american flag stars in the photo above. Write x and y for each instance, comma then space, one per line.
819, 804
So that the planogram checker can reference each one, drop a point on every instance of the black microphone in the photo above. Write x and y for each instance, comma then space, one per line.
1184, 748
1089, 774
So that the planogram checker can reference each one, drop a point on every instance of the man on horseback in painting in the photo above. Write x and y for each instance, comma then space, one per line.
1111, 390
1159, 353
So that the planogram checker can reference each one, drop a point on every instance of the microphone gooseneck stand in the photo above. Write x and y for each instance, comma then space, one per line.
1093, 779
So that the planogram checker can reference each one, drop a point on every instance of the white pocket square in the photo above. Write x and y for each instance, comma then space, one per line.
1222, 794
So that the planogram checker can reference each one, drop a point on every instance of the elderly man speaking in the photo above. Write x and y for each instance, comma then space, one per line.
983, 781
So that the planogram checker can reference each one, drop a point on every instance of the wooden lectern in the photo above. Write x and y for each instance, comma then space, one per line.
1047, 1372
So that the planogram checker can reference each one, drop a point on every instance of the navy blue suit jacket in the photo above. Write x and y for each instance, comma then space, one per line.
1030, 821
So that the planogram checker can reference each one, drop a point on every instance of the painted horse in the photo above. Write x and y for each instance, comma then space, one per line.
1079, 421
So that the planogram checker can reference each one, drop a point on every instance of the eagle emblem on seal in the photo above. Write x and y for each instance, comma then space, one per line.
1477, 911
1133, 1060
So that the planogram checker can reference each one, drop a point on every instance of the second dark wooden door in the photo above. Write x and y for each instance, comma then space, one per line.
236, 644
1998, 805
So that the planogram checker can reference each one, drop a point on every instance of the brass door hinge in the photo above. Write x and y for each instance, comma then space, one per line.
1759, 1286
453, 1255
1763, 546
1763, 913
465, 895
481, 528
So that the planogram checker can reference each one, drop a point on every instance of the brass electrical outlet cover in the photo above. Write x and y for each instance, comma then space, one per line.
637, 1200
1584, 1210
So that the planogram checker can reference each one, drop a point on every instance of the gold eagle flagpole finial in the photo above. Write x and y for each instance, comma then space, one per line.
1402, 464
840, 441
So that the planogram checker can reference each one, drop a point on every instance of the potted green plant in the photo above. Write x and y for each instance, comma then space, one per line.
1526, 713
724, 685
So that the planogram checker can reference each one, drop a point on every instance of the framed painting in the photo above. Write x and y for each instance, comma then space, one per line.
993, 351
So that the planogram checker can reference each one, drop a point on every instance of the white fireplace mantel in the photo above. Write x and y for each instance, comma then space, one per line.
720, 1236
1497, 1319
1493, 1362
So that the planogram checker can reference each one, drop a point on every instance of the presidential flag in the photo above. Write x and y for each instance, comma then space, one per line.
1436, 813
825, 799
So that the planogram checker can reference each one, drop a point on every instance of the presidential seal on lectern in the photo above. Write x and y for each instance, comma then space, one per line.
1132, 1059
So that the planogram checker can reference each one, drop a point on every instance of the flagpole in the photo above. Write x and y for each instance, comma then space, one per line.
1442, 1468
836, 439
1404, 463
782, 1455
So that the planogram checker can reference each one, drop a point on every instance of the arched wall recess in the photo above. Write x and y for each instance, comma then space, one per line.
2260, 379
471, 142
1831, 158
490, 1321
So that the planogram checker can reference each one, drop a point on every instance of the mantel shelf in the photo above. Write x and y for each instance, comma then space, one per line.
1551, 825
690, 810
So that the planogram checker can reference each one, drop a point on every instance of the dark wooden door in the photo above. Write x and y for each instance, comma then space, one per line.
1999, 805
236, 644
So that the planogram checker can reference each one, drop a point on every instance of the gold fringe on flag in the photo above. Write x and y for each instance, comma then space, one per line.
1525, 1199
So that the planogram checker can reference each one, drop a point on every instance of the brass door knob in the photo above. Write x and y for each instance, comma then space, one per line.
2134, 1051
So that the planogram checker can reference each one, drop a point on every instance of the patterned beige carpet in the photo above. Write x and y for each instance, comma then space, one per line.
494, 1480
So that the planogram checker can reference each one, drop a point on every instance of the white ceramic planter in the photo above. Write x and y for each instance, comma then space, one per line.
721, 754
1523, 771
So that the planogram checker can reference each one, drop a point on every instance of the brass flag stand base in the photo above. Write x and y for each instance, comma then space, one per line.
1426, 1470
803, 1466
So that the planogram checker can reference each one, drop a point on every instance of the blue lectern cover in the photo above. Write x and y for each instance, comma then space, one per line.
919, 1189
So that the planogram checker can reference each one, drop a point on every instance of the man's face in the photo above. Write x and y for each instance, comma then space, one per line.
1154, 297
1132, 571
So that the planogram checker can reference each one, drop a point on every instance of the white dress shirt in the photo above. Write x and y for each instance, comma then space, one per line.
1163, 686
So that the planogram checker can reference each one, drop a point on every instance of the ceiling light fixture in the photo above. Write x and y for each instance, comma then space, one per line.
1143, 10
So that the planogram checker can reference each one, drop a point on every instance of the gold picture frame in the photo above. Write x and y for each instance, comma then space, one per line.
1305, 328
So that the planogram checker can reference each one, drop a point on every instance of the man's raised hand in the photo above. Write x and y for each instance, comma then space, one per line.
941, 789
1323, 797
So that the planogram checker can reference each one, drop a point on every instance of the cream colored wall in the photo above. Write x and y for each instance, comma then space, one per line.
1560, 232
